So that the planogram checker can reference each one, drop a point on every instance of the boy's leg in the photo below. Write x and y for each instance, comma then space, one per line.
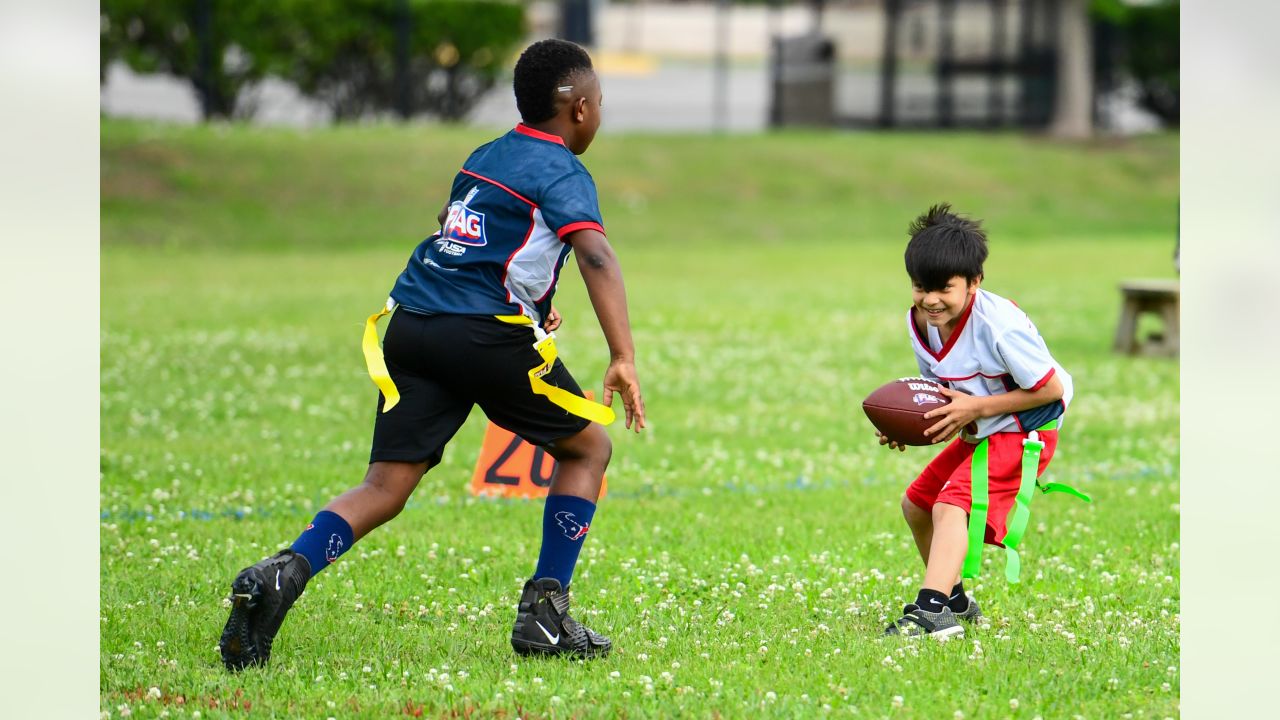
543, 624
933, 525
948, 548
407, 441
497, 363
386, 488
920, 521
262, 594
581, 461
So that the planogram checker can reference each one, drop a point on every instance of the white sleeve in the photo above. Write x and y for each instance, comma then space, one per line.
1026, 356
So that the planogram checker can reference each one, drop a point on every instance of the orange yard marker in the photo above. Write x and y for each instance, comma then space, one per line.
510, 467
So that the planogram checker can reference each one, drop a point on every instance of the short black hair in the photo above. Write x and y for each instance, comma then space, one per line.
944, 245
543, 67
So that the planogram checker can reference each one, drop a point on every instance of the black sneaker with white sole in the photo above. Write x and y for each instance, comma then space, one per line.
543, 624
260, 597
972, 613
920, 623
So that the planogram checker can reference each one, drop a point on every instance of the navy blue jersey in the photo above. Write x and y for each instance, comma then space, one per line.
501, 247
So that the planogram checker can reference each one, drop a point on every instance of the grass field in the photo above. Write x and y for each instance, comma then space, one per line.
751, 547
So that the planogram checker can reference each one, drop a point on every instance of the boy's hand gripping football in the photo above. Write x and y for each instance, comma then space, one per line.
892, 445
954, 416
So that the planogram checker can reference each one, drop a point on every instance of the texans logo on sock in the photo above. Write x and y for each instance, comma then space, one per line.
573, 529
332, 552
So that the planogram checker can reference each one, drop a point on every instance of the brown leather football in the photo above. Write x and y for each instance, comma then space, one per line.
897, 409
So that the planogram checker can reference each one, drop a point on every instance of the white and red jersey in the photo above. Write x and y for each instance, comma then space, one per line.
995, 348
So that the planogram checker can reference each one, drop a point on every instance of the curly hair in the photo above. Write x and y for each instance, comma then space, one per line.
944, 245
543, 67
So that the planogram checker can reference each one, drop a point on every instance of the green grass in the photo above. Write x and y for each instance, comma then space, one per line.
750, 548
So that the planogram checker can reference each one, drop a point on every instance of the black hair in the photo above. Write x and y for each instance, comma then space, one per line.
944, 245
543, 67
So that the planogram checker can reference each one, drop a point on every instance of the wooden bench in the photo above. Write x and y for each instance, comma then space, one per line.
1158, 297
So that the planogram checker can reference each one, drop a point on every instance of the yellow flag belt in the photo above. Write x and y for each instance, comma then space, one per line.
545, 346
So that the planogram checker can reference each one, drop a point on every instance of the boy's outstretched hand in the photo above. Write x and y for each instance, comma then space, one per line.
892, 445
621, 378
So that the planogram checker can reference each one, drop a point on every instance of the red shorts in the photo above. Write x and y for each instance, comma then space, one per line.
948, 478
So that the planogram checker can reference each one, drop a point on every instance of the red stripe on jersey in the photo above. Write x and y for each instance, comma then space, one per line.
970, 377
526, 130
491, 181
574, 227
1043, 380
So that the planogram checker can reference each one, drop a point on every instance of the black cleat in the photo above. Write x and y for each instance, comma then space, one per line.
543, 624
260, 597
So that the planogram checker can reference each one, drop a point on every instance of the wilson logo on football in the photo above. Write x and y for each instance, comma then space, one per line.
925, 399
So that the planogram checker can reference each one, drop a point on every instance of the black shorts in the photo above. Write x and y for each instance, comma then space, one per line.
444, 364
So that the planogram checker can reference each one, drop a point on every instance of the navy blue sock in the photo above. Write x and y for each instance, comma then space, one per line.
324, 540
565, 521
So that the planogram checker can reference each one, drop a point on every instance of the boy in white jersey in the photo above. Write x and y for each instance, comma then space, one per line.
1007, 395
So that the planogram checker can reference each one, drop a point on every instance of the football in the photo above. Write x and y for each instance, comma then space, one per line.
897, 409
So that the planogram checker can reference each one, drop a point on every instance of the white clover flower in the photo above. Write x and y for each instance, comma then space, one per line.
1013, 703
897, 701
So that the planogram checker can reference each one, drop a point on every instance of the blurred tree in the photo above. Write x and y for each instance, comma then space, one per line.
345, 52
1148, 36
213, 44
1073, 103
356, 56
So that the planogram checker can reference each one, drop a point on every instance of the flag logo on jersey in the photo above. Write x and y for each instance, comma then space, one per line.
463, 225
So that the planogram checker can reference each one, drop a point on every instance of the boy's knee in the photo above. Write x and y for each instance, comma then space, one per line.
946, 510
394, 482
592, 444
913, 512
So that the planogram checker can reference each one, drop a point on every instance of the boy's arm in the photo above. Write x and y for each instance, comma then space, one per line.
964, 409
603, 277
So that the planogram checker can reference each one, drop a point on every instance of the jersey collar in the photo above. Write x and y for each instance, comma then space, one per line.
538, 134
955, 334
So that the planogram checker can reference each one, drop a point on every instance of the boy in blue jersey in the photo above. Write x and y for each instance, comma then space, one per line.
472, 313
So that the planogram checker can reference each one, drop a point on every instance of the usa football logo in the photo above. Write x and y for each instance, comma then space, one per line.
925, 399
573, 529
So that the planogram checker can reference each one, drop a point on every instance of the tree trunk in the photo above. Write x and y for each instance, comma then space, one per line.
1073, 106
